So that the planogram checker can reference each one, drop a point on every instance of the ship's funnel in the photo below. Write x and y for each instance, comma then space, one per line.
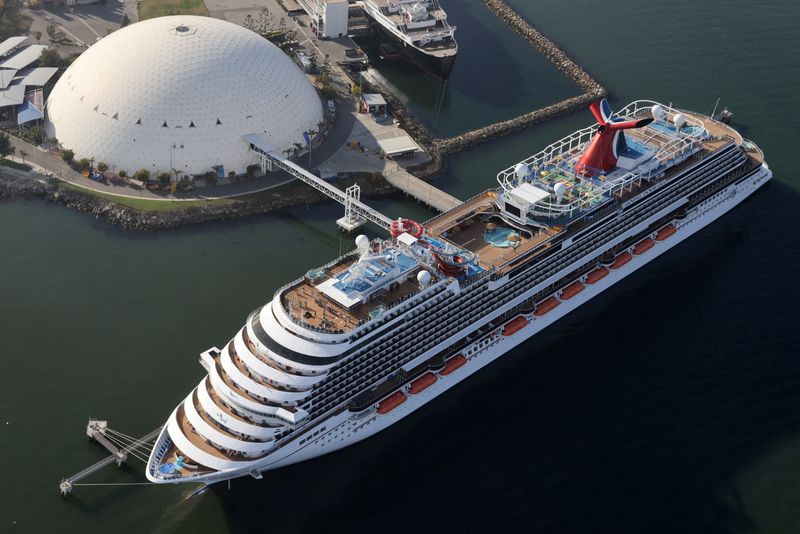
608, 141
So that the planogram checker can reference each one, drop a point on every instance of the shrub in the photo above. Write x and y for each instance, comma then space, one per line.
142, 175
67, 155
102, 166
164, 178
253, 169
122, 173
84, 164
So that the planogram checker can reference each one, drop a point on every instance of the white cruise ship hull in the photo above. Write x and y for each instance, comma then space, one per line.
346, 428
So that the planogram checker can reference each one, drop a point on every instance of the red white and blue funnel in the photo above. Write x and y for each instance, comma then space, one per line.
608, 141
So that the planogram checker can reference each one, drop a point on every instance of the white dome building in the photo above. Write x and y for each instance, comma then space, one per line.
179, 93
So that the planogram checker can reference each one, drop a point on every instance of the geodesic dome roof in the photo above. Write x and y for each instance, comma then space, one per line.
179, 93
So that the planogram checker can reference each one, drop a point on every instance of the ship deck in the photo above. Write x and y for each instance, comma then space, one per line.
466, 227
307, 304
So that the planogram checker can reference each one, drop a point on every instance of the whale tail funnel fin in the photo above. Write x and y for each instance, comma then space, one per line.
608, 141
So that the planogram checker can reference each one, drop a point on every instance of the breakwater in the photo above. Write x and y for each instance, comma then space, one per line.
592, 89
439, 148
13, 186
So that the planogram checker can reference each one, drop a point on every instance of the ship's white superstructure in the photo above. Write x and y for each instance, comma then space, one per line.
355, 345
420, 31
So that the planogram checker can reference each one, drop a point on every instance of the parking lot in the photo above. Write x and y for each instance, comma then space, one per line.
82, 25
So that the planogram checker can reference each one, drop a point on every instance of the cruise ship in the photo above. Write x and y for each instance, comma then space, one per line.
354, 346
419, 30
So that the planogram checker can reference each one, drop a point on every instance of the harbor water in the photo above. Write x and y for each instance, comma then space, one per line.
671, 403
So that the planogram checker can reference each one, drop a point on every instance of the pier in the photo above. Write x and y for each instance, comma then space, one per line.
419, 189
99, 431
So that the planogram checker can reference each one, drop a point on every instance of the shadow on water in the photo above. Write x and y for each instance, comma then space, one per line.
638, 412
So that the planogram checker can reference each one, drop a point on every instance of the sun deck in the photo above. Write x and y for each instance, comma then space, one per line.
309, 303
476, 226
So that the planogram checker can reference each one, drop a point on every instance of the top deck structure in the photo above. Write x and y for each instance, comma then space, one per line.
500, 229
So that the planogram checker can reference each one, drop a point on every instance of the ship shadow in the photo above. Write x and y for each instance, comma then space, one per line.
635, 413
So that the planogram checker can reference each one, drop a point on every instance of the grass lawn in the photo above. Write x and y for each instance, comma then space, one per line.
142, 204
149, 9
14, 164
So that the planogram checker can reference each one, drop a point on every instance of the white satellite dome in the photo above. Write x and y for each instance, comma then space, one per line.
179, 93
362, 242
424, 278
658, 112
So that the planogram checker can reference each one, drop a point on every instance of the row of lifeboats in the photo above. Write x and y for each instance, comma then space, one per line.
593, 277
420, 384
518, 323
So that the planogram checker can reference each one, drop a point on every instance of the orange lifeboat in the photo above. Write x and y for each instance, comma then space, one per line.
665, 232
514, 325
546, 305
643, 246
391, 402
621, 260
422, 383
596, 275
571, 290
452, 364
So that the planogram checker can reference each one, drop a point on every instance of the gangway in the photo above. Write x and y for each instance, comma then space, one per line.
356, 212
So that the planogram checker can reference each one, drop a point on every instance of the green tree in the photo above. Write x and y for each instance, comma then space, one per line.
35, 134
253, 169
143, 175
84, 164
50, 58
5, 145
125, 20
23, 155
163, 178
249, 23
38, 36
67, 155
51, 31
122, 173
102, 166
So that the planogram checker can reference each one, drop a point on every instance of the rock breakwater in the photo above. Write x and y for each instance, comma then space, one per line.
12, 186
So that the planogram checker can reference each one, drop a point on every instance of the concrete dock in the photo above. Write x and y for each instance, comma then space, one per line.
419, 189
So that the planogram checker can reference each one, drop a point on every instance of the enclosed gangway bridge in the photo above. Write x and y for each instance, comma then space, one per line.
355, 211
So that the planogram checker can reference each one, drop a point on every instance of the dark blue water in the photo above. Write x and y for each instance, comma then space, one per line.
671, 403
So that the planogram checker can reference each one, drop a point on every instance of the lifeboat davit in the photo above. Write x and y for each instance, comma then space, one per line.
596, 275
571, 290
406, 226
621, 260
546, 305
643, 246
422, 383
391, 402
452, 364
514, 325
665, 232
